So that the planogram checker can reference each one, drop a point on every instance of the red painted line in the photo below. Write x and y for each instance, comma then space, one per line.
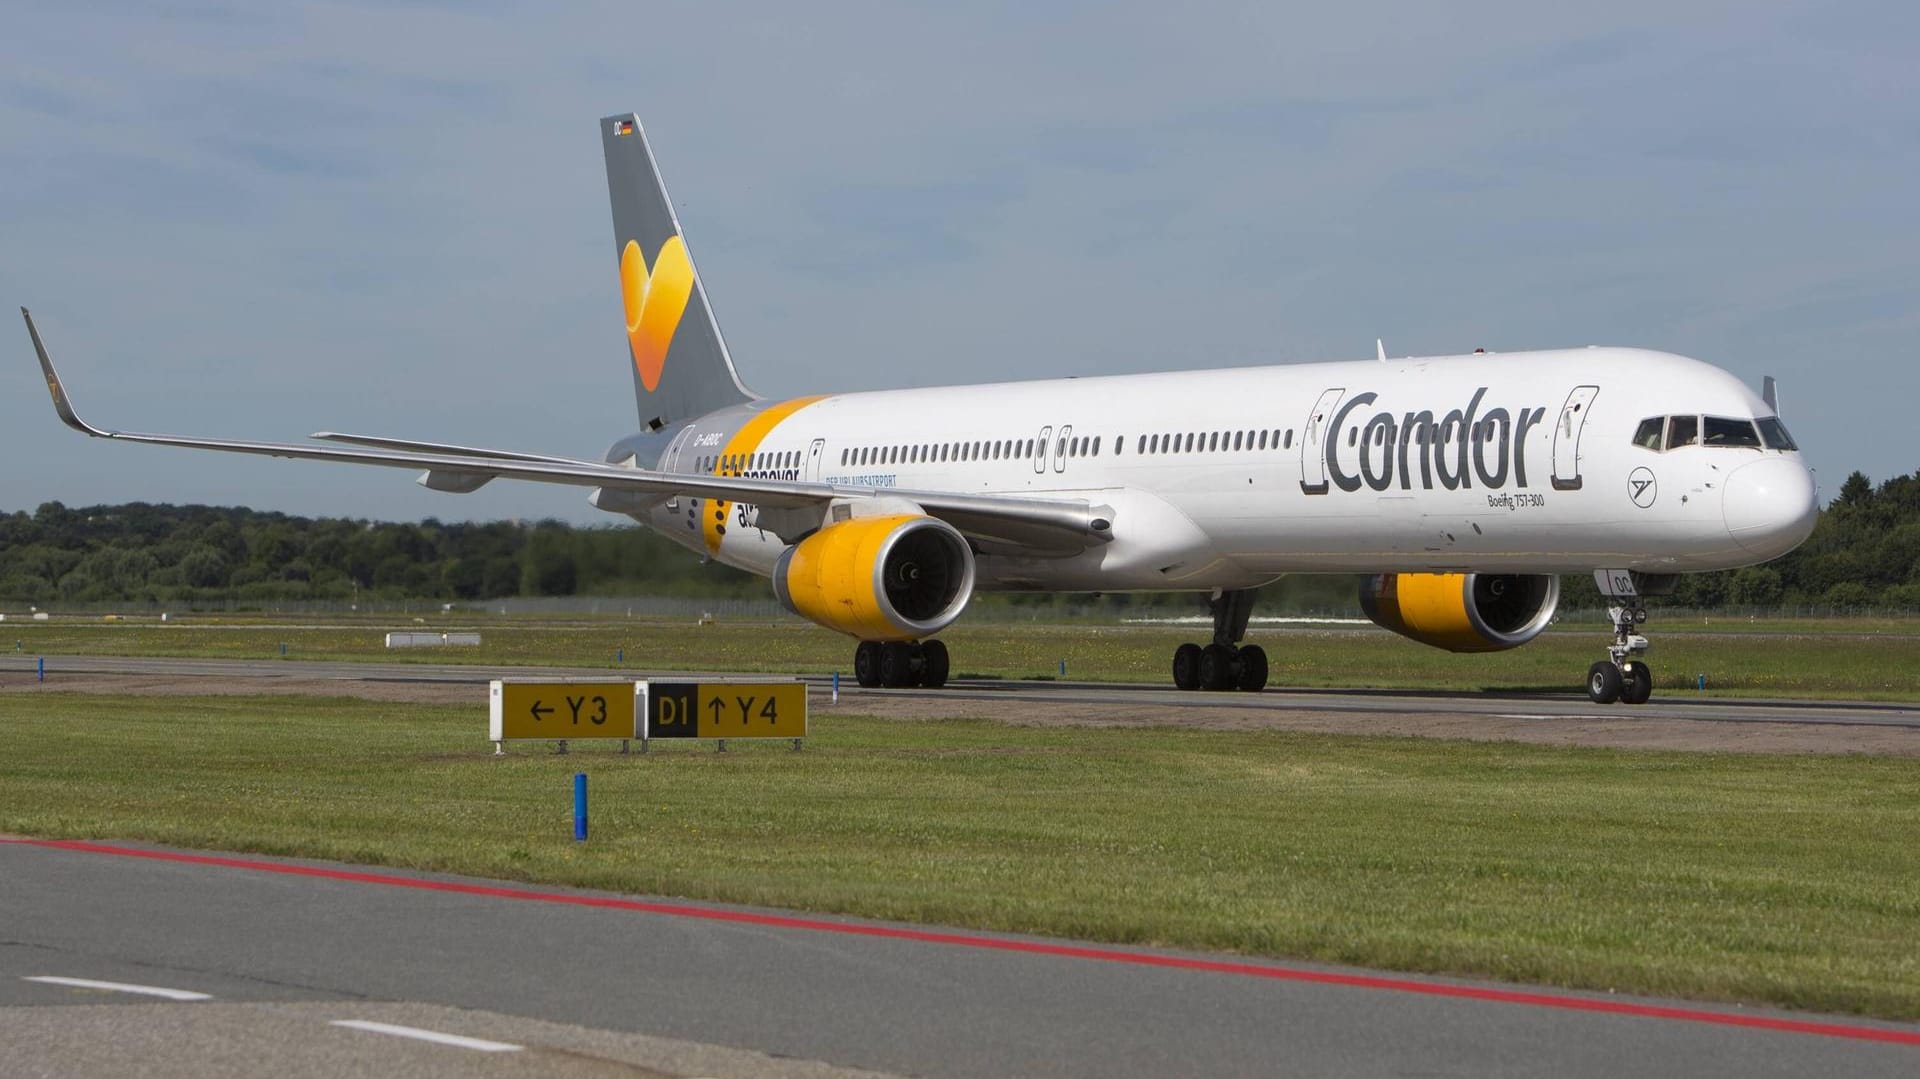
1025, 947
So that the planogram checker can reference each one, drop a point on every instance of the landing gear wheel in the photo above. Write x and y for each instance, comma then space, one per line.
896, 664
866, 664
933, 673
1253, 669
1636, 684
1603, 683
1216, 667
1186, 667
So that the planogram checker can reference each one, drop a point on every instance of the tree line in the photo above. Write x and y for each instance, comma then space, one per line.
161, 554
1864, 552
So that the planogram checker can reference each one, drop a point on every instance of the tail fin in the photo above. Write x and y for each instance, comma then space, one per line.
680, 364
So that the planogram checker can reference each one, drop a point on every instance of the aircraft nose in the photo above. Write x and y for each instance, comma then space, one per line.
1769, 505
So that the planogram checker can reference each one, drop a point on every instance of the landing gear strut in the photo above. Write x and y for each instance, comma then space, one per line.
895, 664
1225, 663
1623, 676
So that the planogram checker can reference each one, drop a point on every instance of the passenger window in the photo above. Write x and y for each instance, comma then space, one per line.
1648, 436
1682, 431
1289, 442
1724, 431
1095, 451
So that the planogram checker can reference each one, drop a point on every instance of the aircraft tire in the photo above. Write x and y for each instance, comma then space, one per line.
1637, 685
866, 664
1253, 669
933, 672
1186, 667
1216, 668
1603, 683
896, 664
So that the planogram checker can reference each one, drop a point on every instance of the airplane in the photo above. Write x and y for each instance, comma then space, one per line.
1462, 486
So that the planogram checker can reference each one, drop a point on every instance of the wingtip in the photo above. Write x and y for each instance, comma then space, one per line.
62, 404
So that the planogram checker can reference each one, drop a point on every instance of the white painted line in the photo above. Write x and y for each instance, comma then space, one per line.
429, 1036
121, 987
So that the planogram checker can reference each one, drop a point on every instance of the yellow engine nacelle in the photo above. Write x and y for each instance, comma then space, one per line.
1462, 612
894, 578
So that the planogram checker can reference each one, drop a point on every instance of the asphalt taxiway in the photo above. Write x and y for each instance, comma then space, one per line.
309, 968
1678, 720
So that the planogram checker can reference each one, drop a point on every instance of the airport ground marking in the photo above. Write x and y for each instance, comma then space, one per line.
182, 995
477, 1044
1385, 983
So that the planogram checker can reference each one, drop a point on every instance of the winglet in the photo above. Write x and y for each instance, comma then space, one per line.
1380, 347
60, 402
1770, 393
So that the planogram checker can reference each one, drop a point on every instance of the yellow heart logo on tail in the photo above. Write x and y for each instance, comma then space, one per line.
654, 301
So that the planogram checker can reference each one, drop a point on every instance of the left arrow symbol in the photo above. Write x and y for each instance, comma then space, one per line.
538, 711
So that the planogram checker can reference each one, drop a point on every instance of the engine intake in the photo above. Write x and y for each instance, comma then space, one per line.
1462, 612
893, 578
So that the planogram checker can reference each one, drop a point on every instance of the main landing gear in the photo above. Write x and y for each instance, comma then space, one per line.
1623, 676
1224, 664
895, 664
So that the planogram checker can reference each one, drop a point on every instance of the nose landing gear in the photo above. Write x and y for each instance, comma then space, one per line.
1623, 676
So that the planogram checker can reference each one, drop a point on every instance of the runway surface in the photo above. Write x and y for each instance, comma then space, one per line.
571, 983
1673, 720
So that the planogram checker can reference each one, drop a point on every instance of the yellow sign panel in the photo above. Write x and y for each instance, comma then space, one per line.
726, 710
561, 710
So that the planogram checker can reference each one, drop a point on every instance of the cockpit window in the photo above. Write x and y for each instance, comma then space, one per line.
1723, 431
1774, 434
1648, 436
1683, 431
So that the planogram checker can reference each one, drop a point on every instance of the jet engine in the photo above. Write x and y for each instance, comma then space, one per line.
1462, 612
894, 578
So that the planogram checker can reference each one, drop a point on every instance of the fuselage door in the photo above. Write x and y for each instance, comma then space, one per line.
1040, 449
670, 460
1566, 437
1313, 456
814, 453
1060, 448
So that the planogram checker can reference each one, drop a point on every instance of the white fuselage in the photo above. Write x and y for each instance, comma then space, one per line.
1513, 463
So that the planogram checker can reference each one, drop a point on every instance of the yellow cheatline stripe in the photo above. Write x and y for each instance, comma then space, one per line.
744, 444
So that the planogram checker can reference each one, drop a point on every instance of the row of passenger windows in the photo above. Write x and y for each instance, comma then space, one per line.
1672, 432
1025, 449
1659, 432
736, 463
1004, 449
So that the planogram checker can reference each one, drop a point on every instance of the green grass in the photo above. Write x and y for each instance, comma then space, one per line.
1777, 880
1817, 660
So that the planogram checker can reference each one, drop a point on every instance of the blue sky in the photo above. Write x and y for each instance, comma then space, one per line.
265, 220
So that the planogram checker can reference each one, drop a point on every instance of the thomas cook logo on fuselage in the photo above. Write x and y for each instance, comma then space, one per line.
654, 300
1412, 449
1642, 487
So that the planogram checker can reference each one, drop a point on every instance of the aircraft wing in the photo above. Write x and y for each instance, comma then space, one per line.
1041, 525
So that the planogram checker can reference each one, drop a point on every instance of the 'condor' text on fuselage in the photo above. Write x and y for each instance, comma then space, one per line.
1410, 449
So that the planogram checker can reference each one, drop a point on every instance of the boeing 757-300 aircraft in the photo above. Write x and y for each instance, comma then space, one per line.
1463, 485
